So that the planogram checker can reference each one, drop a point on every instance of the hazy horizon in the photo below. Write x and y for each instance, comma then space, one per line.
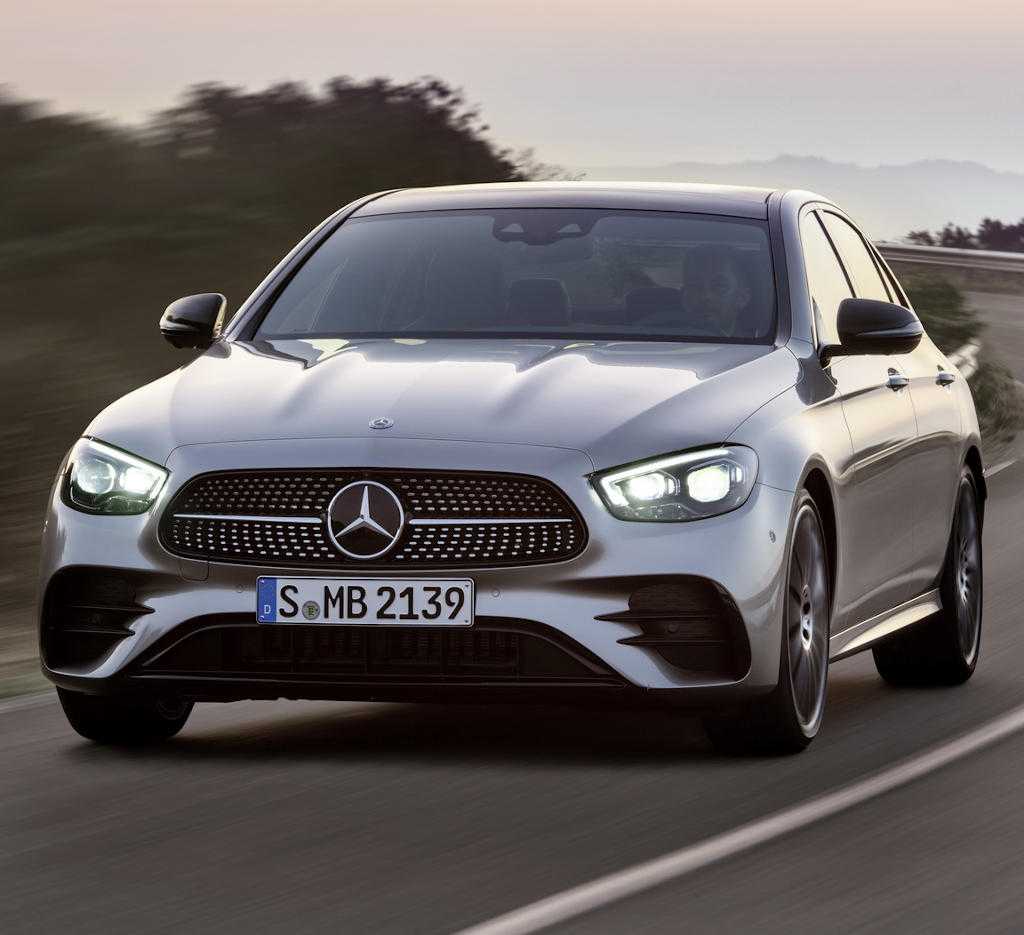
580, 83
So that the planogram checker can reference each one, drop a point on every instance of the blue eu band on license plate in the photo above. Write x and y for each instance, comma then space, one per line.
366, 601
266, 600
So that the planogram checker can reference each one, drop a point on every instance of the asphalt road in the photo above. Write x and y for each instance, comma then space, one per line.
269, 817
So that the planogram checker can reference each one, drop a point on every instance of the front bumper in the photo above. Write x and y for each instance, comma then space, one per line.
581, 604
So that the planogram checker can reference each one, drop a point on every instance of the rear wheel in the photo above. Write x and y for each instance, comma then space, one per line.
943, 650
124, 720
790, 717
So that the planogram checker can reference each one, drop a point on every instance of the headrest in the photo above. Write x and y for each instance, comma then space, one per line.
538, 302
706, 256
654, 300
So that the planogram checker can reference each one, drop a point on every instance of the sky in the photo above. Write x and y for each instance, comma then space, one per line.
593, 83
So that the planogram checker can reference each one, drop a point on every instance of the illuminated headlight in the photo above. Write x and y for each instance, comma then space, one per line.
678, 488
103, 479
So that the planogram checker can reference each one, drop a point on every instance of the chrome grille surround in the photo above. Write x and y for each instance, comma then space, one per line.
456, 519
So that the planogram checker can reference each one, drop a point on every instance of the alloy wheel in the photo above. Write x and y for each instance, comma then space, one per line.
967, 555
807, 619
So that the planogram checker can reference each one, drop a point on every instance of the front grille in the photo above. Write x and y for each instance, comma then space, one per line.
453, 519
424, 493
494, 650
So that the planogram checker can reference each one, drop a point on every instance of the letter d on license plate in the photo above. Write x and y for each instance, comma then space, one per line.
401, 602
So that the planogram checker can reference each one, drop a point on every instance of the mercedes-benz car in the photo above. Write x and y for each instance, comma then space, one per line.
586, 442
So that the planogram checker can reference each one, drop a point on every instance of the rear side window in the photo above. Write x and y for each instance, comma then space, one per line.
826, 280
858, 261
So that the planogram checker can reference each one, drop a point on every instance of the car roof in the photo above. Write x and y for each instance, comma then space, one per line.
729, 200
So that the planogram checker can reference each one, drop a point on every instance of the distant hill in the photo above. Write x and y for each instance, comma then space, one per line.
888, 201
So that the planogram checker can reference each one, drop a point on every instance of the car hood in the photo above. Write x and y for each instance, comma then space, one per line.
616, 401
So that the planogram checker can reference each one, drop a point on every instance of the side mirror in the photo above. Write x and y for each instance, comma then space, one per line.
194, 321
867, 326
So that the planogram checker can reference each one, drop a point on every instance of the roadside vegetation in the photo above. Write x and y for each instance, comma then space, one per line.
952, 324
990, 235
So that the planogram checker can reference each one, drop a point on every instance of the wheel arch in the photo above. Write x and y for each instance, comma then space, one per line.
973, 460
816, 483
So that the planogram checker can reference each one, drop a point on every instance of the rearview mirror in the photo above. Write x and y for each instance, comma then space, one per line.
867, 326
194, 321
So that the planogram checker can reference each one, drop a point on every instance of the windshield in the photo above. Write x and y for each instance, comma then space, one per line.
525, 272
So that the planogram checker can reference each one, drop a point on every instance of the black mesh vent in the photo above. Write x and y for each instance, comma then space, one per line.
86, 613
691, 623
244, 517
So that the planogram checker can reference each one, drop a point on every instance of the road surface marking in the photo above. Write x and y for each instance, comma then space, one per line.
605, 890
1001, 466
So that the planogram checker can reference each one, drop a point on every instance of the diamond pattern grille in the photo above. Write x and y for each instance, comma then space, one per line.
454, 519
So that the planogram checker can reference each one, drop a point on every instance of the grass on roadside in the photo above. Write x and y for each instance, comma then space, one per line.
999, 401
951, 323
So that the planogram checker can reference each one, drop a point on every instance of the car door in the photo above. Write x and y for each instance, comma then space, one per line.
938, 452
875, 506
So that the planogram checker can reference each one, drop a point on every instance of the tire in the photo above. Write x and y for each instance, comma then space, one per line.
944, 648
124, 720
790, 717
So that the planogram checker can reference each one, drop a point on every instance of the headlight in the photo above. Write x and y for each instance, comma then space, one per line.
103, 479
678, 488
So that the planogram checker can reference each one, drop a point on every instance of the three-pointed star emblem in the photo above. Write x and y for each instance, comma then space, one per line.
365, 519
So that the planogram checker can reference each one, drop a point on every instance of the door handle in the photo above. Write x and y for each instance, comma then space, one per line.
897, 380
945, 377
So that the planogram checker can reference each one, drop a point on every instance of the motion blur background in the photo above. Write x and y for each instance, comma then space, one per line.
151, 150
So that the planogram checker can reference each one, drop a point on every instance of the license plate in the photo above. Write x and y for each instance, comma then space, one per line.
403, 602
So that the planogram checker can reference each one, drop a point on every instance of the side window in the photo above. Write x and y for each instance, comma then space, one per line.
826, 280
858, 261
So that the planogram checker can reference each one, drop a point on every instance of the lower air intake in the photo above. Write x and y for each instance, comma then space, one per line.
495, 651
86, 613
691, 623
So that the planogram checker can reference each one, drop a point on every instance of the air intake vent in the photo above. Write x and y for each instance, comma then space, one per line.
494, 651
86, 613
691, 623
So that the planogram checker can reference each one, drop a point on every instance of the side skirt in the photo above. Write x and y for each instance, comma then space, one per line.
861, 635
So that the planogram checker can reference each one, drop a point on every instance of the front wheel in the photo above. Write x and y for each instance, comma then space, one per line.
943, 650
124, 720
790, 717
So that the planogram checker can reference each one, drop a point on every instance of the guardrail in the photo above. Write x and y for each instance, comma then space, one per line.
965, 359
948, 256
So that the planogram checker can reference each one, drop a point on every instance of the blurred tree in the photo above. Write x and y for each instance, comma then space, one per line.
285, 157
956, 236
53, 169
242, 173
995, 235
991, 235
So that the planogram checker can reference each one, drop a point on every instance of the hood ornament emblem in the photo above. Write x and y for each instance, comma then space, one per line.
381, 422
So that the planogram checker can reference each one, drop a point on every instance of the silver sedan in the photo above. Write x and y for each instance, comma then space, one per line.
607, 444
